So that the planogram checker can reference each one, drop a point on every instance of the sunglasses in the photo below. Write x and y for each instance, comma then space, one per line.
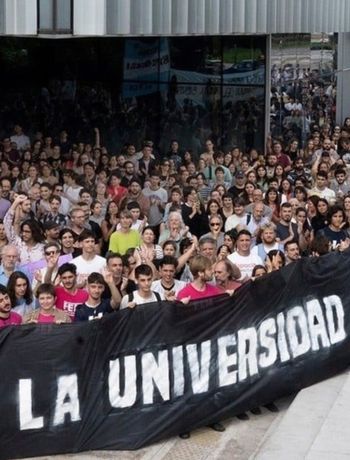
215, 224
50, 253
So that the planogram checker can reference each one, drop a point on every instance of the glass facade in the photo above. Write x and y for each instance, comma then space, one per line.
139, 88
55, 16
303, 73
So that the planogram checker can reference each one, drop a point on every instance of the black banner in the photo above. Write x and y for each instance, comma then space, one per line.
140, 375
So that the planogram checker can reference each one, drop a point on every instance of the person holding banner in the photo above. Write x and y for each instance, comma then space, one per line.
201, 268
95, 307
47, 312
68, 295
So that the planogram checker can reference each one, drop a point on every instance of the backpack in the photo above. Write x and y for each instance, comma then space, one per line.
131, 296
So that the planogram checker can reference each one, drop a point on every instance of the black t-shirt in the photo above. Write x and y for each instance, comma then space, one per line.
86, 313
283, 232
334, 237
235, 191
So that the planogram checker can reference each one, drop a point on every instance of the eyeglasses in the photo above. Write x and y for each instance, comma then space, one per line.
50, 253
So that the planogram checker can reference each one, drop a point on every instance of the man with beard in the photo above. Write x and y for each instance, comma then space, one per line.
226, 275
68, 295
340, 184
135, 194
268, 240
202, 270
286, 230
7, 317
299, 171
292, 251
326, 151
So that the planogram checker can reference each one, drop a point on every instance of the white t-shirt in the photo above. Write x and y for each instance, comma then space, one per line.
137, 299
234, 220
157, 287
86, 267
245, 263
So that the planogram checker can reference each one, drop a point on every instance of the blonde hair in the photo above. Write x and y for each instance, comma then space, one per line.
199, 264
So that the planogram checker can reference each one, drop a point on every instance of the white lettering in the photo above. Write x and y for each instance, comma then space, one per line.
296, 319
26, 419
247, 347
267, 331
178, 371
128, 398
281, 339
67, 401
199, 370
226, 360
317, 325
335, 318
155, 374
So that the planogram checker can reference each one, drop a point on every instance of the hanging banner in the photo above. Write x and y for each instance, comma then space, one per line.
145, 63
144, 374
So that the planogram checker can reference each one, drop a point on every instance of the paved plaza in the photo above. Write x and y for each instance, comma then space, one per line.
240, 441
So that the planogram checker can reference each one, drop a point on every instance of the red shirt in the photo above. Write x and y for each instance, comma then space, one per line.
13, 320
46, 319
117, 193
193, 293
68, 302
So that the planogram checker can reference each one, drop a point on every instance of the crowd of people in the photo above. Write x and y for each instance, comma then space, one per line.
85, 232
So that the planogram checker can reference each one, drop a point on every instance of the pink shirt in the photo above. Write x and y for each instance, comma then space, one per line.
190, 291
13, 320
46, 319
68, 302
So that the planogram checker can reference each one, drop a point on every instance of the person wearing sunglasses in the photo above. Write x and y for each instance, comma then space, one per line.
215, 230
48, 274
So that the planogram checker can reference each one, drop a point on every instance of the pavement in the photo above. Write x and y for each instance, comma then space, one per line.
239, 442
315, 427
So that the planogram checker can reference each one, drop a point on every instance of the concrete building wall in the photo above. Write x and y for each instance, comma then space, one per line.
185, 17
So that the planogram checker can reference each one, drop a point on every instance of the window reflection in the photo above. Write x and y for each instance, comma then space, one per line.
303, 80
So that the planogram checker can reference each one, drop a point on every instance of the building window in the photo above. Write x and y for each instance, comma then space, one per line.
55, 16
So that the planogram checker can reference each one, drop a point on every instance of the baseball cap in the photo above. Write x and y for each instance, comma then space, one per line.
240, 175
50, 224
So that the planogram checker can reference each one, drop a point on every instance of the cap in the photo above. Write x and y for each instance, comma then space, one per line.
50, 224
240, 175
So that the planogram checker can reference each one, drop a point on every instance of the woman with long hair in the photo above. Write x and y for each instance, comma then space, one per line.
300, 194
320, 220
213, 208
272, 200
148, 250
27, 236
20, 293
279, 174
308, 154
248, 192
304, 228
293, 149
110, 222
67, 241
334, 231
286, 190
261, 175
